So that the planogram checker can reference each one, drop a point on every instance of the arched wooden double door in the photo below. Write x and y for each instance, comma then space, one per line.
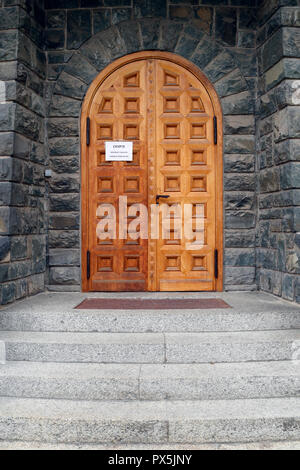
170, 112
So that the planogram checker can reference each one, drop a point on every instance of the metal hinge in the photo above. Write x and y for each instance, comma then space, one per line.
216, 264
215, 130
88, 265
88, 130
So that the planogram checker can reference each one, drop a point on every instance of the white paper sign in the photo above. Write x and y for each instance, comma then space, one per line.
119, 151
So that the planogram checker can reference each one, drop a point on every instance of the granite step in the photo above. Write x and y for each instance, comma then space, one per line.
151, 347
150, 381
136, 422
279, 317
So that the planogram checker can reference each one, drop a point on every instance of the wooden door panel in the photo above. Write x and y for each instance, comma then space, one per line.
185, 172
118, 112
168, 114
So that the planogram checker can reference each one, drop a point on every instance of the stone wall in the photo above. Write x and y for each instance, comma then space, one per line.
219, 39
22, 188
278, 137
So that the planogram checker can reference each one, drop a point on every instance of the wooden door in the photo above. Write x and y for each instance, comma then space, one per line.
167, 111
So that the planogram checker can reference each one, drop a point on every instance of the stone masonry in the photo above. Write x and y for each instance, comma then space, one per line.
51, 51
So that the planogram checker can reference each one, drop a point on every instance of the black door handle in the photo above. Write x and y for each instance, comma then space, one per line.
164, 196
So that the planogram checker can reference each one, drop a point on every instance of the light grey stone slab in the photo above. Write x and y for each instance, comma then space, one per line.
84, 347
61, 421
70, 381
219, 381
231, 347
55, 312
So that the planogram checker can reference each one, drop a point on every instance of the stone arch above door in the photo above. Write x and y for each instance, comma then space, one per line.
222, 69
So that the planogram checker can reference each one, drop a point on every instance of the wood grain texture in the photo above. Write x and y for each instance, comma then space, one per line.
165, 105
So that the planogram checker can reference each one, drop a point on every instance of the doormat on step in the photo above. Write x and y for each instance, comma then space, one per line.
151, 304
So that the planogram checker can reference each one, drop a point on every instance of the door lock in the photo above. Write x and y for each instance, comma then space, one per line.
158, 196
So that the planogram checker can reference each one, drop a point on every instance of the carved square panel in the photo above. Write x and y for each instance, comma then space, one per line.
172, 157
198, 263
198, 183
136, 159
197, 104
132, 105
131, 184
198, 157
172, 183
105, 184
199, 209
172, 130
105, 263
131, 263
106, 105
199, 237
131, 131
172, 263
171, 105
171, 79
172, 237
132, 80
105, 131
198, 130
101, 159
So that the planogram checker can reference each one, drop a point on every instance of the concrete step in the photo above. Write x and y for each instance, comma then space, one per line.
151, 347
150, 381
270, 317
79, 422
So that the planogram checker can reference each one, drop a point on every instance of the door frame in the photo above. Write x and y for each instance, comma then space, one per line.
97, 82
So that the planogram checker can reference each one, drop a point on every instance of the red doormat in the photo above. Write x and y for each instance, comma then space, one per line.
151, 304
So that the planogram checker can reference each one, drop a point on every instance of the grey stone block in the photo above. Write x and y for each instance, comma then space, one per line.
81, 68
241, 103
239, 201
64, 238
102, 19
186, 46
67, 221
64, 146
240, 257
64, 106
79, 27
8, 45
64, 275
150, 29
239, 275
272, 51
170, 32
239, 125
239, 163
130, 33
239, 182
6, 145
64, 184
232, 84
242, 238
235, 144
55, 39
19, 249
67, 85
120, 14
64, 257
205, 53
269, 180
291, 41
56, 19
4, 249
64, 202
290, 175
65, 164
220, 66
226, 25
240, 220
94, 51
63, 127
113, 43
